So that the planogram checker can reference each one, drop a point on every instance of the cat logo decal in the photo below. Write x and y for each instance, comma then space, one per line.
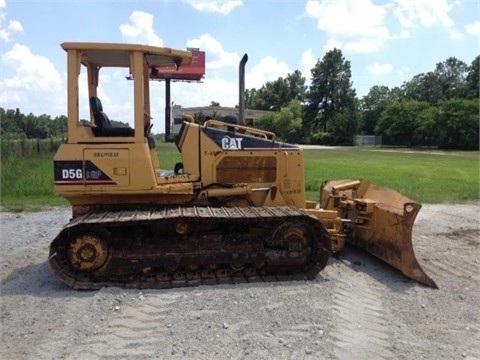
230, 143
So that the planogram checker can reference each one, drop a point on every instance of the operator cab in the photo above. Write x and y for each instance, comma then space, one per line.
98, 61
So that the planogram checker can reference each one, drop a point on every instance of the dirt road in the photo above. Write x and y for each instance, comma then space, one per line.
357, 308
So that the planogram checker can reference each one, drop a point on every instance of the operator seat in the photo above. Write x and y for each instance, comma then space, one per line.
101, 119
103, 126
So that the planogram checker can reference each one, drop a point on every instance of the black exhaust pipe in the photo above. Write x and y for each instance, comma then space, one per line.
241, 91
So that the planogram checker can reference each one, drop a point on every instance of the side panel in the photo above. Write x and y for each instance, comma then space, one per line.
259, 168
292, 184
100, 168
264, 165
110, 166
188, 145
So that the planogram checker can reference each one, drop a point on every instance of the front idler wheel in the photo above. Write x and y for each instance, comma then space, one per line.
290, 247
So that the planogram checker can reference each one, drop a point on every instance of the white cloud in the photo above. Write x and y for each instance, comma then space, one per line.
308, 62
216, 56
268, 69
333, 44
32, 72
454, 34
411, 13
215, 6
30, 82
220, 90
140, 29
14, 26
473, 29
425, 13
361, 46
364, 45
379, 69
351, 18
404, 34
357, 25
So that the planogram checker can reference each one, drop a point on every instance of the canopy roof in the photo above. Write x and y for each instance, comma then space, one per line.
117, 54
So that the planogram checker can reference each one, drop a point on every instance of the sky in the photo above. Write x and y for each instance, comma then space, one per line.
386, 43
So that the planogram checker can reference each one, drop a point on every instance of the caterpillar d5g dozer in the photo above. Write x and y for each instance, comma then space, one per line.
232, 210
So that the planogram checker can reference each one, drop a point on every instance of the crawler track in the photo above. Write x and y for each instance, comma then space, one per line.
188, 246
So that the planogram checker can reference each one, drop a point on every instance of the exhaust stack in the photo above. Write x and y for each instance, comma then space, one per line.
241, 91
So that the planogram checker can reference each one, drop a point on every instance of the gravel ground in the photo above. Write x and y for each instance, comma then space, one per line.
357, 308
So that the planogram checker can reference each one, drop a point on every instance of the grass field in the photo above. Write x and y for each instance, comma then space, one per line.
424, 175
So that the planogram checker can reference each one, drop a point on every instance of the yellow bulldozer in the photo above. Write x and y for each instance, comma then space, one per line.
232, 210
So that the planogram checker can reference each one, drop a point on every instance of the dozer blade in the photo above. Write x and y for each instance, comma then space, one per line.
379, 220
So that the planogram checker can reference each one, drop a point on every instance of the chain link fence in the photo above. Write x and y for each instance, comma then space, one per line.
28, 147
367, 140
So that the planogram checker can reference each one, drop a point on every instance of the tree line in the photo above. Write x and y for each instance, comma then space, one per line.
438, 108
17, 126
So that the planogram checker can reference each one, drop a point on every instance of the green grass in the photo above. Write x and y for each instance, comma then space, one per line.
425, 176
168, 155
27, 183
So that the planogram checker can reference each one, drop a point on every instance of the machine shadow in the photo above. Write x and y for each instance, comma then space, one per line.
361, 261
35, 280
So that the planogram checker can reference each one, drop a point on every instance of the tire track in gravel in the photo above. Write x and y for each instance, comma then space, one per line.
453, 266
456, 263
358, 325
446, 268
473, 353
130, 332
